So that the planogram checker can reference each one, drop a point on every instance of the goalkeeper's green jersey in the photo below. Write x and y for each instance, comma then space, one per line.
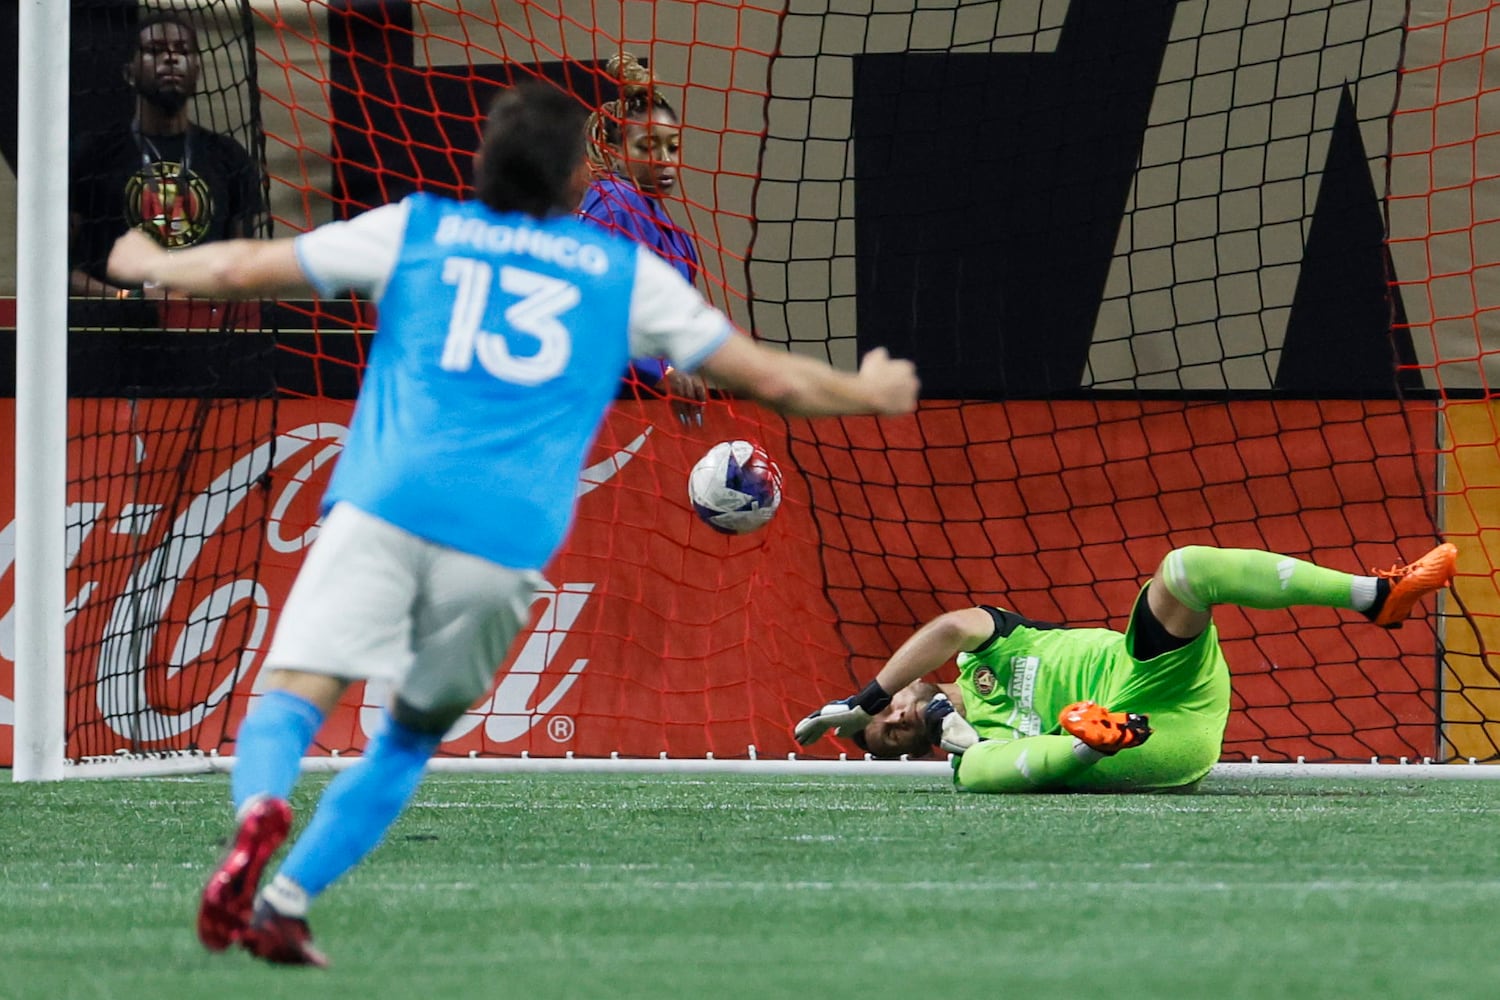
1019, 684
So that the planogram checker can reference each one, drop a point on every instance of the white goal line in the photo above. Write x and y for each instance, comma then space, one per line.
185, 763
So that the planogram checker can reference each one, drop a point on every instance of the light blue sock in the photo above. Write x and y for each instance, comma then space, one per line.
269, 747
359, 806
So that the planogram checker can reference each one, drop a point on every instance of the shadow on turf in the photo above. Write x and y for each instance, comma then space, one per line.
1249, 790
1243, 789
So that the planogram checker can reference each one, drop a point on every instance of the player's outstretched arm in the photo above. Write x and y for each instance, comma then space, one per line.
806, 387
931, 646
231, 269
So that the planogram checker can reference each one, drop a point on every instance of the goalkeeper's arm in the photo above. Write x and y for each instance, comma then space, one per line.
931, 646
934, 644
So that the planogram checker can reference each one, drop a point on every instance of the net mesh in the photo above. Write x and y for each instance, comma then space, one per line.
1139, 253
168, 394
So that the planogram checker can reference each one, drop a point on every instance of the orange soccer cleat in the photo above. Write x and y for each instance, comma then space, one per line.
1412, 582
1105, 731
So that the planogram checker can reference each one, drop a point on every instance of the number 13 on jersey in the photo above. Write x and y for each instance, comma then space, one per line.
543, 299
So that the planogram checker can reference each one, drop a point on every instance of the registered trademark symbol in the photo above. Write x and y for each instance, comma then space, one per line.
560, 728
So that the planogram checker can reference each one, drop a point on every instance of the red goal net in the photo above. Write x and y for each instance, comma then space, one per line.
1172, 274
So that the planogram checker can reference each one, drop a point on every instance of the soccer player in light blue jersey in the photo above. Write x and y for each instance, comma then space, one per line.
1039, 707
504, 326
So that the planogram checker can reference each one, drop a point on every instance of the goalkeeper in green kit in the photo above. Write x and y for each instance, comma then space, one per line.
1041, 707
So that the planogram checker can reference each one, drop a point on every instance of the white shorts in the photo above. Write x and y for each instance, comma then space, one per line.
373, 602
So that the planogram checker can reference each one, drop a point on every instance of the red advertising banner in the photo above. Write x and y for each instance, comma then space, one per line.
653, 634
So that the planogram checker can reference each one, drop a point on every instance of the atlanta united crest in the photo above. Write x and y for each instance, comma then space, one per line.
985, 681
171, 203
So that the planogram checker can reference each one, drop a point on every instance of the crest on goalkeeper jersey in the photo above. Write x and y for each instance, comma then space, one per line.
735, 488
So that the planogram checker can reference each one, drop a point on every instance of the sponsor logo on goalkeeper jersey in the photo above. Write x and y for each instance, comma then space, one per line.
1022, 689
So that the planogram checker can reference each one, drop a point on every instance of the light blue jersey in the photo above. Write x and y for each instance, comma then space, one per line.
500, 343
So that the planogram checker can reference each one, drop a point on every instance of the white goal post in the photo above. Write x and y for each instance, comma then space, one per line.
41, 394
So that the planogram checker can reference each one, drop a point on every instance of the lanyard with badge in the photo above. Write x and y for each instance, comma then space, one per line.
166, 192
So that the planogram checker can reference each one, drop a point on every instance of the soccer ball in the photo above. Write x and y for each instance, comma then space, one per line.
735, 488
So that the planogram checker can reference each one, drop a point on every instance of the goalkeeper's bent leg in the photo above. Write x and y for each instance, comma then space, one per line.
1029, 764
269, 747
1201, 576
354, 814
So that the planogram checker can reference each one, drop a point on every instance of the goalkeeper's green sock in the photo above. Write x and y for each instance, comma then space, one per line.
1030, 764
1200, 577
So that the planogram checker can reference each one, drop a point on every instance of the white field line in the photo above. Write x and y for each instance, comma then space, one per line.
125, 766
1404, 887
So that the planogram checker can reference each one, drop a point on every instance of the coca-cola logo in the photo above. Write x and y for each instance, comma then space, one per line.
513, 708
130, 641
178, 633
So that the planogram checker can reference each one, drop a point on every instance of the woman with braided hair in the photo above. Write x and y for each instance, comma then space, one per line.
635, 147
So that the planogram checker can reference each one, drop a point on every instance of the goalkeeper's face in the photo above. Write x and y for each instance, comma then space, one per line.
900, 728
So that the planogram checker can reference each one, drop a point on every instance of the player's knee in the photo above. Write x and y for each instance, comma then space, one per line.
1183, 557
323, 690
431, 721
1179, 573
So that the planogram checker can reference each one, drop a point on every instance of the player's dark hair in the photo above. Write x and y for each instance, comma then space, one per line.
163, 17
533, 143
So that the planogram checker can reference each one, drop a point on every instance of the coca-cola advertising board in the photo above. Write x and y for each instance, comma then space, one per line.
188, 520
654, 634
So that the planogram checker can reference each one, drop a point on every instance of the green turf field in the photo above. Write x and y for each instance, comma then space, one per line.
589, 886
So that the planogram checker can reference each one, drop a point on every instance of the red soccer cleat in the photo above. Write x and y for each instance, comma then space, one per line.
281, 939
1414, 581
1105, 731
224, 912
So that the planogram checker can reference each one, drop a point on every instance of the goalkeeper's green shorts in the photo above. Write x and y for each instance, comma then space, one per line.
1186, 694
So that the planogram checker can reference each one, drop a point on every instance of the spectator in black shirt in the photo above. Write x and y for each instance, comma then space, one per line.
158, 172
